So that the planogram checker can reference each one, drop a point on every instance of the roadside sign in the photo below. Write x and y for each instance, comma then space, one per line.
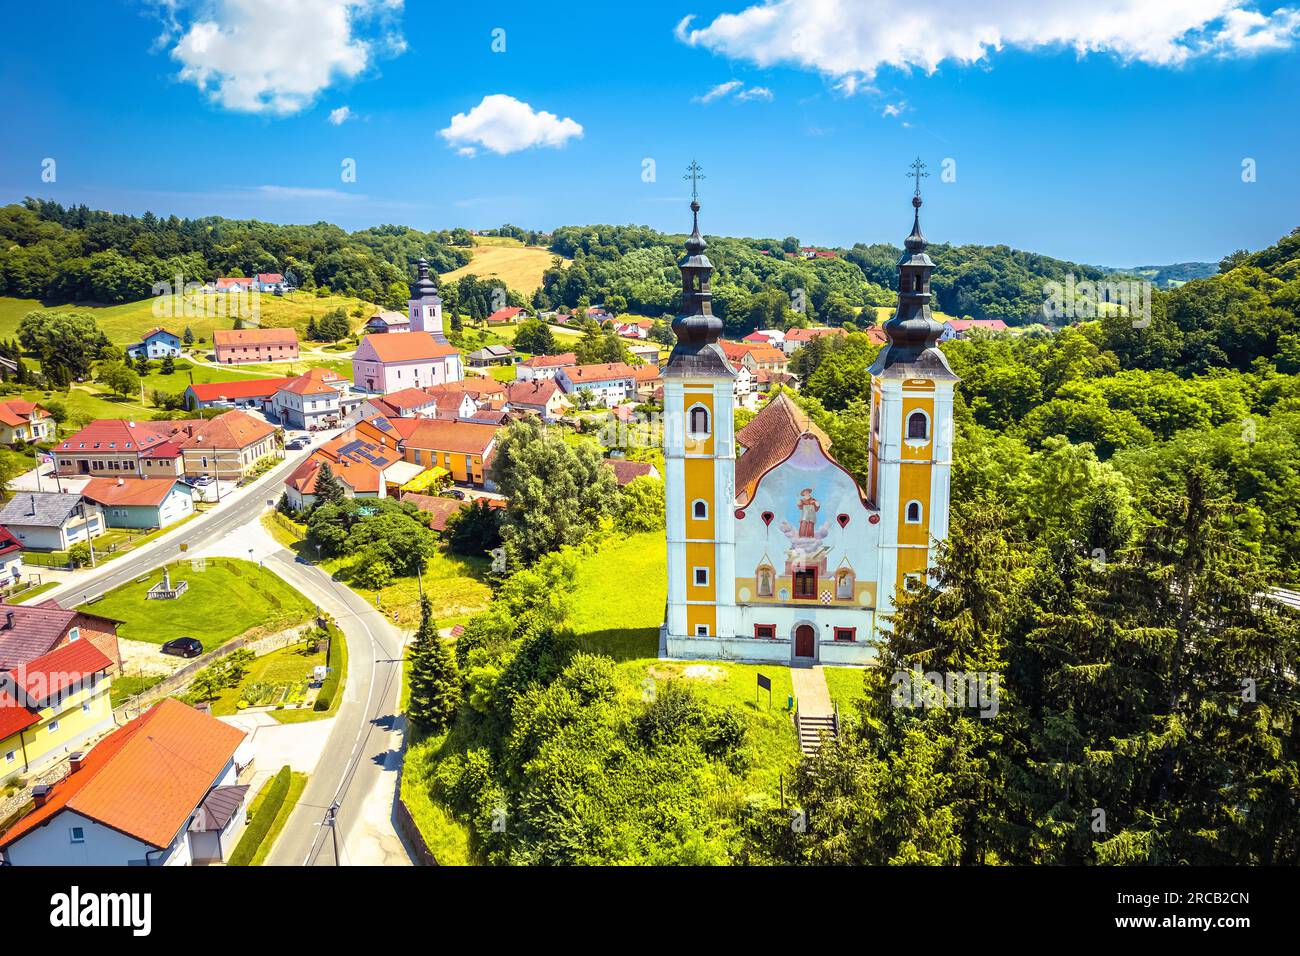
764, 684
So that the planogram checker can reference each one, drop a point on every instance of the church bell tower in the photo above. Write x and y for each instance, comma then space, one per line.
425, 304
699, 460
911, 423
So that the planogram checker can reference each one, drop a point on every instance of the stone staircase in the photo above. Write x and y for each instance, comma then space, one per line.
814, 730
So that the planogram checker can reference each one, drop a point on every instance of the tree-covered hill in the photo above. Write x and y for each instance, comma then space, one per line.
76, 254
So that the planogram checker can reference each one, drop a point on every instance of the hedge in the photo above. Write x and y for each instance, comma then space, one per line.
338, 665
255, 833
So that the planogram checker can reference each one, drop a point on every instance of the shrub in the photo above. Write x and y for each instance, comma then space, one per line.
79, 554
266, 813
338, 662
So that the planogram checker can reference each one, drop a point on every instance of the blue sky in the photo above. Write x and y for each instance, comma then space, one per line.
1109, 132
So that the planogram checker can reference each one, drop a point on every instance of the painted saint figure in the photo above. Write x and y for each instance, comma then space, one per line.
808, 508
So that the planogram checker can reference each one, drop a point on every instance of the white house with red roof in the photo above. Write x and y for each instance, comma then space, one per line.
541, 397
22, 421
270, 282
504, 316
241, 393
609, 382
310, 401
959, 328
795, 339
162, 790
544, 366
108, 447
11, 560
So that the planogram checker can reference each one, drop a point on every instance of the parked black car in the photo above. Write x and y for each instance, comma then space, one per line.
183, 647
454, 493
297, 444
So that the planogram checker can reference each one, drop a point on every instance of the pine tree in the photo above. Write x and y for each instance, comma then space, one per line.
168, 365
329, 490
188, 337
435, 684
313, 331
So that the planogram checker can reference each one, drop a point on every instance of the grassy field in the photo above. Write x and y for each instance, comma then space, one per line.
225, 598
455, 585
519, 266
124, 324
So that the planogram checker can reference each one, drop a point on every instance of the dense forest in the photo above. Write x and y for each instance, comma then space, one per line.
75, 254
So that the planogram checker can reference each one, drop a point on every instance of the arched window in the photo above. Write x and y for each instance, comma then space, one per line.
699, 420
914, 512
700, 509
918, 426
765, 578
844, 585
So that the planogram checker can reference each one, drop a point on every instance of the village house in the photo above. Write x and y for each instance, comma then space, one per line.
755, 357
52, 705
765, 337
161, 790
270, 282
389, 363
11, 560
648, 378
795, 339
544, 366
51, 520
478, 387
156, 344
504, 316
541, 397
230, 284
310, 401
959, 328
438, 509
388, 321
417, 403
28, 631
628, 471
635, 329
108, 447
242, 393
227, 447
609, 383
22, 421
245, 346
648, 353
130, 502
464, 449
360, 464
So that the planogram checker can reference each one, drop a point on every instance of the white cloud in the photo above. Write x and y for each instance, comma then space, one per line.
893, 109
505, 125
341, 115
849, 40
305, 192
737, 87
254, 59
722, 89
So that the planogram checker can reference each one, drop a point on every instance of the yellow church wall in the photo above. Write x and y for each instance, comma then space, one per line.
911, 561
700, 554
697, 614
699, 486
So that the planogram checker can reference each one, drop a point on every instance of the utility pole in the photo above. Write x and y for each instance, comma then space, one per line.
331, 818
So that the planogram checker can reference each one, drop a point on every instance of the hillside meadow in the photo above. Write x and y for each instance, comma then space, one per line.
520, 267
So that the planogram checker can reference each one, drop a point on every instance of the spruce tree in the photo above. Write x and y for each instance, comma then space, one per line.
168, 365
188, 337
435, 684
329, 490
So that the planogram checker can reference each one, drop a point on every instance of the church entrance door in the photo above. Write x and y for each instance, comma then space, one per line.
803, 641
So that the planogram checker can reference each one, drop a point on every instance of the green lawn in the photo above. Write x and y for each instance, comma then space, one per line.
845, 685
455, 585
225, 598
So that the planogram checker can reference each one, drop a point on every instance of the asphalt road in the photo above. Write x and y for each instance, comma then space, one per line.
363, 750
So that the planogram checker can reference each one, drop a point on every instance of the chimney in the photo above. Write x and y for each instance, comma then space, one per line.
75, 761
9, 620
41, 793
120, 482
203, 707
130, 424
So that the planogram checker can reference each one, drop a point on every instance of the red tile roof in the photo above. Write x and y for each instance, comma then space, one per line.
232, 429
225, 338
36, 629
551, 361
407, 347
62, 667
129, 491
531, 392
8, 543
475, 385
807, 335
17, 412
408, 398
466, 438
270, 277
14, 716
962, 325
626, 471
117, 434
769, 438
440, 509
245, 388
145, 778
504, 315
605, 372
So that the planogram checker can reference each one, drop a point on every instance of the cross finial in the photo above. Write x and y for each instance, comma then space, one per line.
694, 172
917, 173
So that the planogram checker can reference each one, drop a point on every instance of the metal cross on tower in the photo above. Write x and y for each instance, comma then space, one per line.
916, 173
694, 172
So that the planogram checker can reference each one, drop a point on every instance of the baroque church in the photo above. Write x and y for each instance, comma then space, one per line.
775, 552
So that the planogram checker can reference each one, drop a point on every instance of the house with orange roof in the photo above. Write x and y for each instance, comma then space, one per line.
162, 790
130, 502
311, 401
505, 316
418, 403
227, 447
544, 366
648, 378
481, 388
755, 356
365, 465
464, 449
608, 382
795, 339
242, 393
389, 363
52, 705
22, 421
541, 397
244, 346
